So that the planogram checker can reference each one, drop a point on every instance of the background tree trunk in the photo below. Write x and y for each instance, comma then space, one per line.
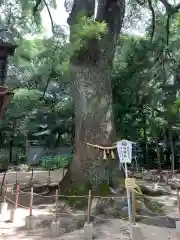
158, 153
146, 157
171, 144
11, 141
92, 93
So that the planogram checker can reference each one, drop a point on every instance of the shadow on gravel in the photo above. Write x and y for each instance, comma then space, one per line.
159, 221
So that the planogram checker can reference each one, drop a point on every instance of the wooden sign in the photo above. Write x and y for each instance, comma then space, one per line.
124, 149
130, 183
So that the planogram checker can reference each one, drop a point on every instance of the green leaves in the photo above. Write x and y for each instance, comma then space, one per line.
23, 103
87, 29
51, 162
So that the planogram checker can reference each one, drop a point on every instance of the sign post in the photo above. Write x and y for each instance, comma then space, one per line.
124, 149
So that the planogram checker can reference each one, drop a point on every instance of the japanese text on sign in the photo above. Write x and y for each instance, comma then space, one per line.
124, 149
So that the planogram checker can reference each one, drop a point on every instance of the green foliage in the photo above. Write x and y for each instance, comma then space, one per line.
86, 29
28, 50
23, 103
51, 162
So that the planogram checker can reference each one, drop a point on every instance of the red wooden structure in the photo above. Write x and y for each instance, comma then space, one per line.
7, 48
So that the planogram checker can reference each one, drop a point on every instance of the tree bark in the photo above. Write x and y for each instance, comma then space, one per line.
92, 93
11, 141
171, 148
146, 148
158, 153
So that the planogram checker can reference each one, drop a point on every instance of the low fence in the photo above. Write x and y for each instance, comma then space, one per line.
89, 216
31, 195
56, 176
57, 198
34, 176
153, 174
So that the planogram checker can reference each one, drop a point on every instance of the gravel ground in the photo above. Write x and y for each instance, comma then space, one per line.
110, 230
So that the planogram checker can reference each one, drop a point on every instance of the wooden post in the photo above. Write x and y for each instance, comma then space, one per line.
16, 178
133, 207
142, 173
13, 211
49, 176
17, 196
161, 177
89, 208
57, 203
153, 176
178, 202
167, 179
5, 191
133, 173
156, 176
32, 177
31, 202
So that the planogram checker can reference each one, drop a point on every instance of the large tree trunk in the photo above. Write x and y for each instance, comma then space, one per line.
92, 93
93, 117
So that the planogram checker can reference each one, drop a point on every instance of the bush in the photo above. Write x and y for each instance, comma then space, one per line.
22, 157
51, 162
19, 168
